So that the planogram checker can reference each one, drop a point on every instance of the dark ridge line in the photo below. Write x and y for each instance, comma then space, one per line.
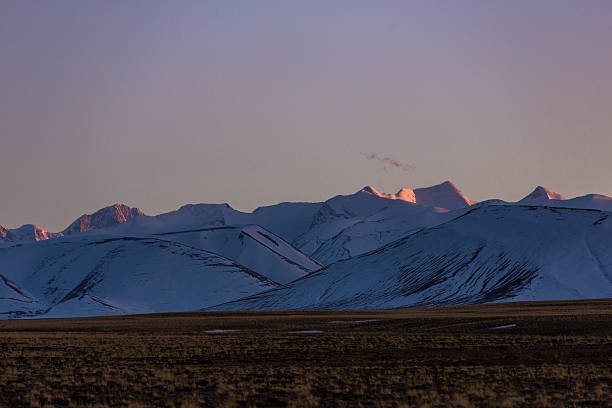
14, 286
223, 227
283, 257
240, 229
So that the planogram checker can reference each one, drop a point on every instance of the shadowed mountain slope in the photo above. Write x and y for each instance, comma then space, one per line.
491, 253
121, 275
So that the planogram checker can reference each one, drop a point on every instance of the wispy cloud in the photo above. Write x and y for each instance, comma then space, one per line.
385, 160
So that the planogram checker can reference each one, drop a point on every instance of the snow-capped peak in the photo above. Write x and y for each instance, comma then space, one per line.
444, 195
405, 194
542, 193
369, 190
3, 232
105, 217
27, 233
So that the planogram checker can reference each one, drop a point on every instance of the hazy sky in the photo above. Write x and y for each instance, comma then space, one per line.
160, 103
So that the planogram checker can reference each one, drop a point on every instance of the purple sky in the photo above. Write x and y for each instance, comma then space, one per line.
160, 103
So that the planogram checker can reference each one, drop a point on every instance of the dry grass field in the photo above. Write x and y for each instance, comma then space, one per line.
557, 354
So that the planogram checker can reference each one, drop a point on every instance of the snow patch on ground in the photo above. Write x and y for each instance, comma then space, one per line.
308, 331
506, 326
220, 331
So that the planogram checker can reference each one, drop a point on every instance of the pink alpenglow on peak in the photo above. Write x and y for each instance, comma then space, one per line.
405, 194
26, 233
3, 232
542, 193
445, 195
36, 232
105, 217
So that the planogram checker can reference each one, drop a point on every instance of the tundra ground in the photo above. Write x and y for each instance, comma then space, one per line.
556, 354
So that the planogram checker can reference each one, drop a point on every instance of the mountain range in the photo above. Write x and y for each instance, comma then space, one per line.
367, 250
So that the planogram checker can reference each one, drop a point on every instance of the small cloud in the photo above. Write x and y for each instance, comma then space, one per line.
385, 160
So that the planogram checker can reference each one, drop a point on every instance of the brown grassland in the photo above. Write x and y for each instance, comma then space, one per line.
558, 355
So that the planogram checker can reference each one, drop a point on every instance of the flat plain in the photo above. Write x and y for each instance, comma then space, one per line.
556, 354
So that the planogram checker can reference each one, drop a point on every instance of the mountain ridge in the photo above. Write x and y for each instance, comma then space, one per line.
103, 218
362, 250
445, 195
544, 253
542, 193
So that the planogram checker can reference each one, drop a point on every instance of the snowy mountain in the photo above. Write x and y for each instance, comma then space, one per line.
541, 194
287, 220
339, 213
110, 275
491, 253
427, 246
445, 195
338, 228
4, 232
190, 216
230, 233
25, 233
310, 227
100, 273
387, 225
346, 226
252, 246
589, 201
103, 218
405, 194
17, 302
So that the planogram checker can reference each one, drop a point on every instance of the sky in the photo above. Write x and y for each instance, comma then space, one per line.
156, 104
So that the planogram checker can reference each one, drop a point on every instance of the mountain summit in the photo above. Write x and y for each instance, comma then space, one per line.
26, 233
405, 194
542, 193
105, 217
445, 195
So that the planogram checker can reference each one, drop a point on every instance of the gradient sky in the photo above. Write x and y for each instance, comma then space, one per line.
160, 103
